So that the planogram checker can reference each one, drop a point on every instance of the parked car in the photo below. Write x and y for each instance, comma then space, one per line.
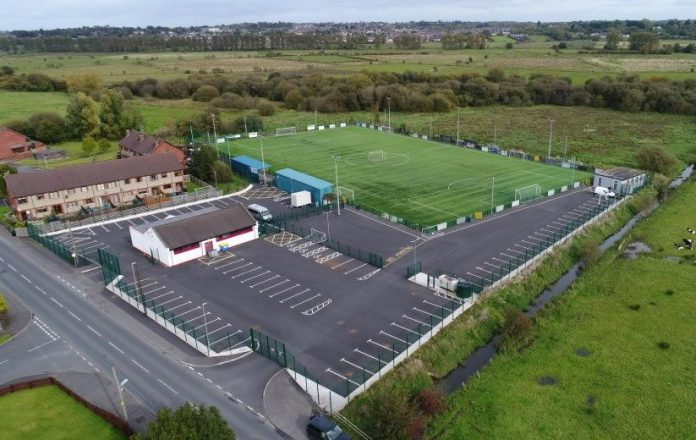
321, 427
601, 191
260, 212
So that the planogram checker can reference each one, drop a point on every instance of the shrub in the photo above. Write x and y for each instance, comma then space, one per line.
655, 159
516, 331
265, 108
417, 427
205, 94
4, 312
663, 345
431, 401
589, 252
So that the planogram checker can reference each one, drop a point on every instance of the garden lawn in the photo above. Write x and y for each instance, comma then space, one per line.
628, 386
422, 182
75, 156
47, 413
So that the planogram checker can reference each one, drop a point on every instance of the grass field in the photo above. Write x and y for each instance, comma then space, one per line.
75, 156
424, 182
47, 413
628, 386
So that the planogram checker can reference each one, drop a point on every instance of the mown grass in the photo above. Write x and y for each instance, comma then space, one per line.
46, 413
4, 337
424, 182
21, 105
478, 325
634, 318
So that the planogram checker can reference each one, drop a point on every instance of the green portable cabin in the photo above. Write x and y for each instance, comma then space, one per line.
292, 181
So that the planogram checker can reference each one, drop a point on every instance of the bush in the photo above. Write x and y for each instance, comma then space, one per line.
656, 159
48, 127
431, 401
589, 252
265, 108
205, 94
516, 331
4, 312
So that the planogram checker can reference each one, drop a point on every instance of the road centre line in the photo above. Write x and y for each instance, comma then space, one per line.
141, 367
167, 386
74, 316
25, 278
56, 301
12, 267
94, 331
115, 347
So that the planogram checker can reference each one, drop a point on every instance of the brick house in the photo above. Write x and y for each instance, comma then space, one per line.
96, 185
137, 143
15, 145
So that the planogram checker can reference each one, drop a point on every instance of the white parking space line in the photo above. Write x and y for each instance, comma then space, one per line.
483, 270
543, 235
284, 290
500, 261
497, 266
90, 269
382, 332
161, 295
228, 325
530, 243
308, 299
237, 268
293, 296
105, 228
405, 328
372, 373
329, 370
273, 286
264, 281
170, 300
248, 271
354, 269
129, 221
180, 305
255, 276
379, 345
356, 350
228, 264
415, 320
515, 250
439, 307
345, 262
426, 313
153, 290
186, 312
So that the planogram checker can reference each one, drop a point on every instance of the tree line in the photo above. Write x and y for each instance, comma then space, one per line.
420, 92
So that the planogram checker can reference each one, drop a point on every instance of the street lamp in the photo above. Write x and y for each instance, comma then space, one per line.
120, 385
551, 122
205, 327
336, 158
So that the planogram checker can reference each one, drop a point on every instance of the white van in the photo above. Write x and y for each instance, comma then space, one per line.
601, 191
260, 213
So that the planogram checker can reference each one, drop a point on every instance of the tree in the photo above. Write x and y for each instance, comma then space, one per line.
188, 422
656, 160
89, 145
205, 93
265, 108
103, 145
222, 172
613, 40
5, 169
202, 161
516, 331
644, 42
87, 83
48, 127
293, 99
111, 114
391, 413
82, 116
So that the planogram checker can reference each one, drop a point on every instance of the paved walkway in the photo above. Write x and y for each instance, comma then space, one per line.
287, 406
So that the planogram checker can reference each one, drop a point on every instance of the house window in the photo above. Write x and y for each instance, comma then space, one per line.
153, 177
42, 210
90, 200
17, 150
163, 175
139, 179
100, 187
71, 205
21, 200
186, 248
168, 186
53, 195
84, 189
71, 191
126, 182
233, 234
177, 173
113, 184
40, 196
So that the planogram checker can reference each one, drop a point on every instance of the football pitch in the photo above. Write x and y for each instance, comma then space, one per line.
422, 181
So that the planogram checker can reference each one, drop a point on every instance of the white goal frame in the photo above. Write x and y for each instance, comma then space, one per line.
316, 236
285, 131
348, 193
537, 192
385, 129
376, 156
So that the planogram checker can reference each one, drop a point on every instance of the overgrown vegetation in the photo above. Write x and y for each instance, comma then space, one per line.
188, 422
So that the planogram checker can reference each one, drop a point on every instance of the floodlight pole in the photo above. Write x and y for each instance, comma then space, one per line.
212, 115
328, 228
205, 327
551, 122
389, 111
246, 131
565, 154
457, 125
338, 201
493, 195
315, 120
263, 161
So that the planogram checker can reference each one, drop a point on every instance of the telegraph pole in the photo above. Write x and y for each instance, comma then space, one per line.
551, 122
120, 385
493, 195
457, 125
389, 111
212, 115
205, 326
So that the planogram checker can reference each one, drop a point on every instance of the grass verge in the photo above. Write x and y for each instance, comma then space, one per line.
634, 320
46, 413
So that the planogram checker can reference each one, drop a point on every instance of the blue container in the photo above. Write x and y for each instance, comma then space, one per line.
292, 181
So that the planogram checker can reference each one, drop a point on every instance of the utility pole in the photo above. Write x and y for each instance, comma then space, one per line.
431, 127
328, 228
315, 120
246, 131
389, 111
215, 177
495, 130
338, 202
212, 115
565, 154
457, 125
205, 327
551, 122
493, 195
120, 385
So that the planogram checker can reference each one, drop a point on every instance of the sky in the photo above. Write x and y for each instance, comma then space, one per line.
51, 14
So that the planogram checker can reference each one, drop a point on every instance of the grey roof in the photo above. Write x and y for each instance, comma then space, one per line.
142, 228
140, 143
620, 173
184, 231
76, 176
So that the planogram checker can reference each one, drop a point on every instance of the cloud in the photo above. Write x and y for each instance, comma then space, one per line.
50, 14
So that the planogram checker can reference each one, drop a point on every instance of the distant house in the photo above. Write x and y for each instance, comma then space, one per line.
620, 180
137, 143
15, 145
92, 186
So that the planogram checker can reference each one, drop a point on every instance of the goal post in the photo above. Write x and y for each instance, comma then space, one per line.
385, 129
376, 156
284, 131
317, 236
526, 193
345, 195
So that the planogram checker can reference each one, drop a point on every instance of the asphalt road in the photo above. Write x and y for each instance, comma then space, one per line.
154, 378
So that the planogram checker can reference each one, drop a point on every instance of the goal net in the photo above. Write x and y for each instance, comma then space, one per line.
385, 128
317, 236
526, 193
345, 195
283, 131
376, 156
